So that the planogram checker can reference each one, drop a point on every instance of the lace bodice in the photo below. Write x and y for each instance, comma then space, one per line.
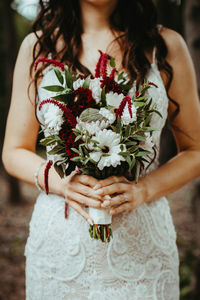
140, 262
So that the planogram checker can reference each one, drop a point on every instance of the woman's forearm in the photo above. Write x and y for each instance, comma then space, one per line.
22, 164
173, 175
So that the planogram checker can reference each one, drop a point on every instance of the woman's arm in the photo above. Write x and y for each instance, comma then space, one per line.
186, 165
19, 157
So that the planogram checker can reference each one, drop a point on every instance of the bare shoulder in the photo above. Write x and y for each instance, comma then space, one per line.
28, 44
176, 45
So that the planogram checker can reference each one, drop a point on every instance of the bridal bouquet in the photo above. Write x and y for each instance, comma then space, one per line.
99, 126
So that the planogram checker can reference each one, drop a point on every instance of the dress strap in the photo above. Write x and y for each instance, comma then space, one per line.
154, 56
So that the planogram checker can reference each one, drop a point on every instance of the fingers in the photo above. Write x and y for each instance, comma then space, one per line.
87, 201
80, 210
86, 191
110, 180
112, 189
87, 180
121, 208
115, 201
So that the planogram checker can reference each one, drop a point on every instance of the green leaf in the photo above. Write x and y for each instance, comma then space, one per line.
68, 78
112, 62
56, 150
59, 76
59, 170
62, 98
131, 143
75, 150
139, 104
133, 162
103, 96
139, 138
142, 153
149, 129
120, 76
54, 88
78, 138
76, 158
86, 83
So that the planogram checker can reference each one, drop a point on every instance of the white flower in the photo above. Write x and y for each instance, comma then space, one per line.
53, 117
111, 141
109, 115
113, 99
126, 118
132, 91
92, 127
95, 86
78, 83
148, 143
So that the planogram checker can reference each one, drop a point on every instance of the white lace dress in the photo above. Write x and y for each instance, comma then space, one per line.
141, 261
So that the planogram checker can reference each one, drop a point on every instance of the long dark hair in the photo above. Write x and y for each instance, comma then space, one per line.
136, 19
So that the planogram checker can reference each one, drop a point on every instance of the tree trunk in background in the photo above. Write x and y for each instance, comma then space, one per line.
10, 52
192, 34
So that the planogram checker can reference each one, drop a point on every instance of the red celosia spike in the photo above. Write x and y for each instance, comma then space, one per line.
66, 210
152, 83
112, 74
98, 66
129, 106
46, 176
120, 109
104, 66
50, 61
70, 118
137, 94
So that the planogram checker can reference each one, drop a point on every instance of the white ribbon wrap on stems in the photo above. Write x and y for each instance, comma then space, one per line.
100, 216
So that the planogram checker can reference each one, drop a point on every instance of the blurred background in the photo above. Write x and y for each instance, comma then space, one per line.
17, 199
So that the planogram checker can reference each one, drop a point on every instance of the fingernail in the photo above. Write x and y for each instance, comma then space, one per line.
97, 186
90, 222
107, 197
98, 192
111, 212
105, 203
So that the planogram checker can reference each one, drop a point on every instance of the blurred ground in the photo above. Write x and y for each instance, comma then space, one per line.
14, 222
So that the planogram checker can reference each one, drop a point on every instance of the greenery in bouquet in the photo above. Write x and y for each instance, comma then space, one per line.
99, 125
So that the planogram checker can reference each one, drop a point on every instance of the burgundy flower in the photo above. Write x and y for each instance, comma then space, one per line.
50, 61
82, 99
98, 66
46, 175
120, 110
111, 85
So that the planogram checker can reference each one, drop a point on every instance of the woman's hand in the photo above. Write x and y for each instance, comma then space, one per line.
78, 190
124, 194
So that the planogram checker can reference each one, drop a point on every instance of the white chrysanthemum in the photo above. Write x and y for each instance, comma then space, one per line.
113, 99
92, 127
131, 92
78, 83
95, 86
148, 143
126, 118
111, 141
109, 115
53, 117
